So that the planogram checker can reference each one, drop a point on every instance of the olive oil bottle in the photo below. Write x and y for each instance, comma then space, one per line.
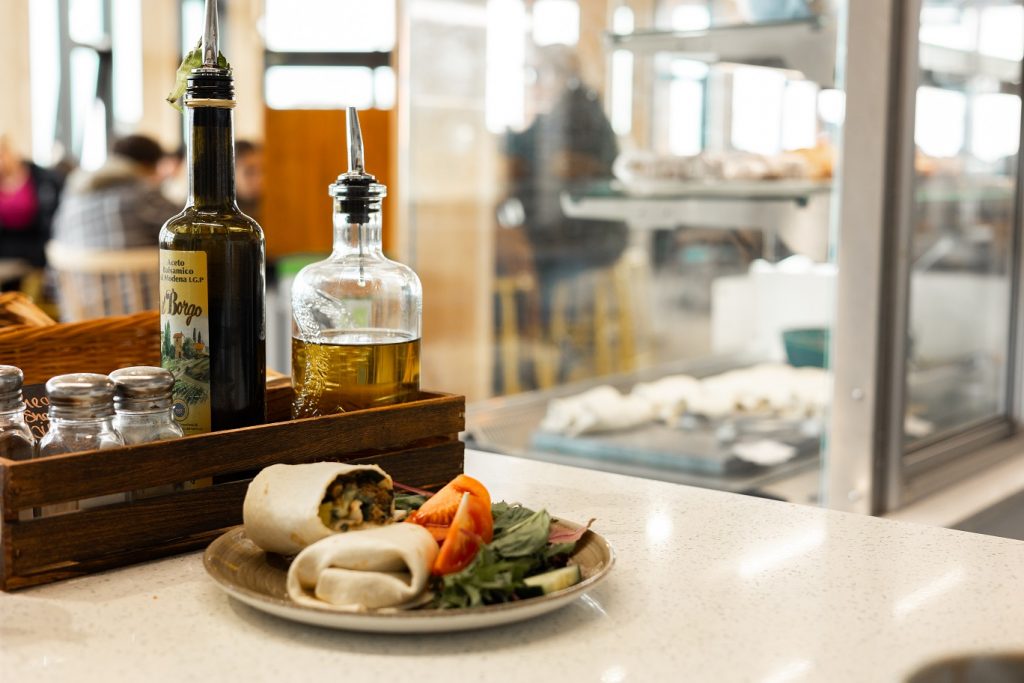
212, 268
356, 315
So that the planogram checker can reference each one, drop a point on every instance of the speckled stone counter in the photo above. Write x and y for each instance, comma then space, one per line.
708, 586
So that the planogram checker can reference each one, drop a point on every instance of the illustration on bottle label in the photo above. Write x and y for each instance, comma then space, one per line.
185, 335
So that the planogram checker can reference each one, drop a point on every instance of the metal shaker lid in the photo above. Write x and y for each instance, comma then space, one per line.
138, 387
81, 394
11, 381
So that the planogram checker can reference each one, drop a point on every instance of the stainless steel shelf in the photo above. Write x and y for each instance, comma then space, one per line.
951, 61
768, 205
804, 45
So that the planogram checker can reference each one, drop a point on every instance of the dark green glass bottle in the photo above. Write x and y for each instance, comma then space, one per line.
212, 275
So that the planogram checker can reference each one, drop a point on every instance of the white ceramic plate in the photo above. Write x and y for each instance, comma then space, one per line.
258, 579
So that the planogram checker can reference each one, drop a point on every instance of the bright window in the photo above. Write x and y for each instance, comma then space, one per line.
799, 115
622, 75
939, 124
757, 109
126, 34
995, 126
505, 94
556, 22
45, 72
329, 54
686, 102
690, 18
319, 87
330, 25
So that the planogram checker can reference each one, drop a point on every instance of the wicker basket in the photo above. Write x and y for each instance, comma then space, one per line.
18, 309
102, 345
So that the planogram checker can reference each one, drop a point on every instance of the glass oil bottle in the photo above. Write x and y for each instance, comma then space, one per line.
356, 316
212, 268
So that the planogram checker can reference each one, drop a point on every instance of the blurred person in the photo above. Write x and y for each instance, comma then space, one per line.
172, 174
249, 177
118, 208
569, 143
119, 205
29, 196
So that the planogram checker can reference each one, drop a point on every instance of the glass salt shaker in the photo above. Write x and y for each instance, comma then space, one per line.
16, 440
142, 405
142, 413
81, 419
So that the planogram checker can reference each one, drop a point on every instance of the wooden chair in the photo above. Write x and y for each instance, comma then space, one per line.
95, 283
596, 323
604, 330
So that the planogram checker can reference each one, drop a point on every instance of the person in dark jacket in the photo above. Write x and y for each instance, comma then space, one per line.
29, 196
569, 144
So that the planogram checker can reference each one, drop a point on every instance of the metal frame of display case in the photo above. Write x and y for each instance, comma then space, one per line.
869, 468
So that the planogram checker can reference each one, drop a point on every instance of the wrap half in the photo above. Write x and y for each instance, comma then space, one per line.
382, 567
288, 507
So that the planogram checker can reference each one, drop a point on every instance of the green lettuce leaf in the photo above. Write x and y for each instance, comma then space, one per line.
409, 501
524, 538
507, 515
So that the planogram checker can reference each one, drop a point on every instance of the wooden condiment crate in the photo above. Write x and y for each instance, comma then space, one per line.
417, 443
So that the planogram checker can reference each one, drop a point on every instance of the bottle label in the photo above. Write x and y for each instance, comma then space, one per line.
185, 335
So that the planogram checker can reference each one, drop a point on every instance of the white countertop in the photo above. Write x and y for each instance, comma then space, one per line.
707, 586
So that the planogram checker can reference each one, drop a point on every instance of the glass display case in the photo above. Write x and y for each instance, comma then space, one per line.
678, 231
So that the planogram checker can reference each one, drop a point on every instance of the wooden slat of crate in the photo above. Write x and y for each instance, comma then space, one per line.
416, 442
78, 476
53, 548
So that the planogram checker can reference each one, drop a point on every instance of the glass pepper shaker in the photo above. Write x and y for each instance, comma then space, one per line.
16, 440
81, 419
142, 413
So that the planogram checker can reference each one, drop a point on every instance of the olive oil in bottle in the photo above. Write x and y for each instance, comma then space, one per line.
356, 315
348, 371
212, 268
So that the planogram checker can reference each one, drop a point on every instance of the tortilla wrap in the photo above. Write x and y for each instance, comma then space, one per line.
281, 511
382, 567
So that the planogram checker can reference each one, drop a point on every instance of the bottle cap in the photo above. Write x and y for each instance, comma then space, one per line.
11, 380
356, 187
142, 388
81, 395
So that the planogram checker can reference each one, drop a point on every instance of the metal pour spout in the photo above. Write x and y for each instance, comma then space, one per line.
356, 163
211, 35
356, 185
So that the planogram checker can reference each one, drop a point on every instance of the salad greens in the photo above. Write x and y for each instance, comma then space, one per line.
409, 501
520, 548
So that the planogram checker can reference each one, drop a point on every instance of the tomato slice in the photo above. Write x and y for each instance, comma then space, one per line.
464, 538
440, 509
438, 532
